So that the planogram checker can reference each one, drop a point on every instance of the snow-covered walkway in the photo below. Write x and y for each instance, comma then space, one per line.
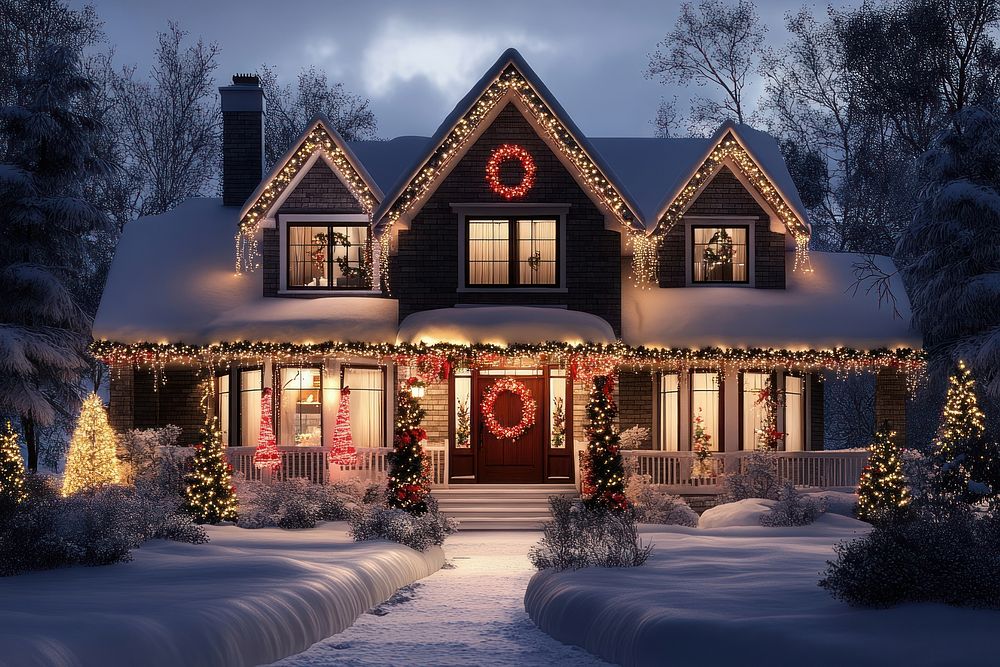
471, 614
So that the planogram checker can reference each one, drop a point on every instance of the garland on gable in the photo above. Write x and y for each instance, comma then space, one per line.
318, 139
645, 263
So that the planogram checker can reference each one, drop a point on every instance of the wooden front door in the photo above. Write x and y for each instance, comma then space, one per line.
510, 461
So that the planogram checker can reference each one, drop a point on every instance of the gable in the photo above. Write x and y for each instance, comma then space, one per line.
320, 190
725, 195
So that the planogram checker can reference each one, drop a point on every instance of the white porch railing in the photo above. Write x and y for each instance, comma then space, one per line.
822, 469
312, 463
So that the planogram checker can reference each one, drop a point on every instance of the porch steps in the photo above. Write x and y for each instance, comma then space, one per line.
500, 506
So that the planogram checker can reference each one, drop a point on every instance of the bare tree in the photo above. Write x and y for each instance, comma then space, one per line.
666, 118
715, 44
290, 109
171, 122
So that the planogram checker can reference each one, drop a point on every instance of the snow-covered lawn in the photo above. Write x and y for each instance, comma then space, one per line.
747, 595
472, 614
246, 598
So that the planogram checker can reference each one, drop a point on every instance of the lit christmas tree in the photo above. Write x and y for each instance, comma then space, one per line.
605, 472
210, 496
408, 485
701, 445
92, 462
12, 491
266, 456
965, 458
462, 428
343, 452
882, 490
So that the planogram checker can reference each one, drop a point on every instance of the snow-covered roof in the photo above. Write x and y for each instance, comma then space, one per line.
817, 310
172, 280
504, 325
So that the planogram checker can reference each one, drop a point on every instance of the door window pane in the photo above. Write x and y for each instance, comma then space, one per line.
251, 385
557, 409
795, 422
705, 404
669, 412
753, 414
463, 410
301, 407
367, 405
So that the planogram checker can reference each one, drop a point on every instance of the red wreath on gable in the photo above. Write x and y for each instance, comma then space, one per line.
501, 155
528, 407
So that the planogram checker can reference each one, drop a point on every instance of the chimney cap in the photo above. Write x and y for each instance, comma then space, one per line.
246, 80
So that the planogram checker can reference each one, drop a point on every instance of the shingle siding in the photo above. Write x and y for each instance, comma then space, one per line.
635, 401
176, 401
320, 191
424, 271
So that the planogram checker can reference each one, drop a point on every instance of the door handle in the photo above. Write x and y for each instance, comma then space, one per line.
480, 435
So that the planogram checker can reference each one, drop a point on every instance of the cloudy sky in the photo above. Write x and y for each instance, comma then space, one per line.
415, 59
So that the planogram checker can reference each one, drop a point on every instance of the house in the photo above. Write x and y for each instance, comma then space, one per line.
504, 261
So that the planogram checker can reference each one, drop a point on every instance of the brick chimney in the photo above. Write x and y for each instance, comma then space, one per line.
242, 138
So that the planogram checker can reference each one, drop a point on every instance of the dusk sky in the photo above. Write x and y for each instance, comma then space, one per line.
414, 61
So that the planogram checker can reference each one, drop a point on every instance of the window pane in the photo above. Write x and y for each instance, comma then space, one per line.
705, 404
367, 405
463, 410
347, 249
489, 252
557, 408
669, 412
795, 422
222, 406
308, 256
251, 385
301, 406
753, 415
720, 254
536, 252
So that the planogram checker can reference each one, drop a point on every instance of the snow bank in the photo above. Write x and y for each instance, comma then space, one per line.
173, 279
246, 598
816, 310
747, 596
747, 513
504, 325
837, 502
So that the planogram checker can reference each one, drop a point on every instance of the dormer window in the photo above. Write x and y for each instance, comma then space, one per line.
328, 256
512, 252
719, 254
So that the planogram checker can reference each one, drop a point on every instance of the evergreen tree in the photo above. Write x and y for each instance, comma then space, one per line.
48, 231
882, 490
92, 461
949, 255
606, 471
409, 486
966, 459
210, 496
12, 491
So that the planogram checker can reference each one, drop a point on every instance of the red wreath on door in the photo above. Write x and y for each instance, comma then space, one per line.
501, 155
528, 407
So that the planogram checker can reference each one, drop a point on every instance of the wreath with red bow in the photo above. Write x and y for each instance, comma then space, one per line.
528, 407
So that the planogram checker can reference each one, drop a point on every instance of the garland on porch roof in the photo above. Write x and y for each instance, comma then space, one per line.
584, 361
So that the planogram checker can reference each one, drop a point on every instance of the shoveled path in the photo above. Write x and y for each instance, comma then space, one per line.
469, 614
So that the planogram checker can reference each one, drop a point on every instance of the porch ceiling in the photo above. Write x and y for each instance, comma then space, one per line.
504, 325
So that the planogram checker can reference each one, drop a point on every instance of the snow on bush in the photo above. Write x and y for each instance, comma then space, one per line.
579, 537
921, 558
298, 503
141, 454
419, 532
633, 438
792, 509
90, 528
745, 512
836, 502
757, 478
653, 505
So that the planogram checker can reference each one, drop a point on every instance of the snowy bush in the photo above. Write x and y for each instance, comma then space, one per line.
757, 478
921, 558
792, 509
419, 532
580, 537
634, 438
298, 503
653, 505
91, 528
140, 451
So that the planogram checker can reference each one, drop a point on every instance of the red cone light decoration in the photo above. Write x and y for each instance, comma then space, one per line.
342, 451
267, 455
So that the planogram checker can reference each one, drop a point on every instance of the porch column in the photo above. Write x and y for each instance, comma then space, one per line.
890, 402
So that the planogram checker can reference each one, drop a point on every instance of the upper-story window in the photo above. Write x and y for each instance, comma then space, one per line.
328, 256
719, 254
512, 252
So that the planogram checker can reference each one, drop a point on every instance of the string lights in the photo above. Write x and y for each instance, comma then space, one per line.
882, 489
503, 154
92, 461
317, 139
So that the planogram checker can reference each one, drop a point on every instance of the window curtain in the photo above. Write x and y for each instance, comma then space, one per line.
669, 439
705, 402
753, 415
301, 401
251, 384
367, 405
795, 422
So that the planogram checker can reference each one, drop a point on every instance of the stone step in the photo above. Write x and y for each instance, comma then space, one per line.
463, 501
503, 523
